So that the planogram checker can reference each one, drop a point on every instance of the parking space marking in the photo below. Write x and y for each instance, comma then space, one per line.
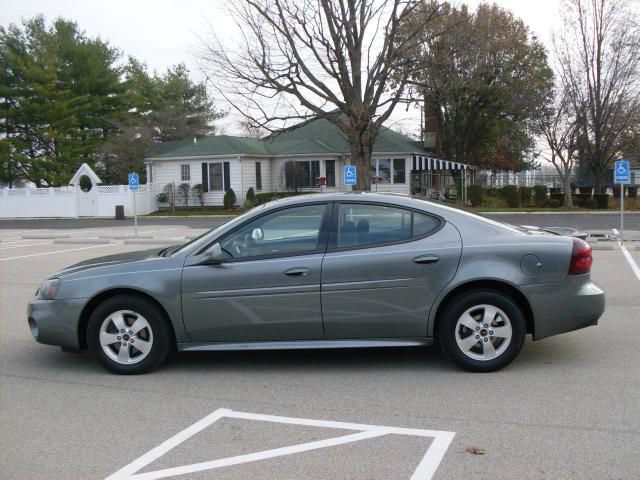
632, 263
425, 470
59, 251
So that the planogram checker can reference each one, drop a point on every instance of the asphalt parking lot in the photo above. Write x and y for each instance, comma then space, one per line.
567, 408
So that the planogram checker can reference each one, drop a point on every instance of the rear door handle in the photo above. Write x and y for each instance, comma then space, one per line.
425, 259
297, 272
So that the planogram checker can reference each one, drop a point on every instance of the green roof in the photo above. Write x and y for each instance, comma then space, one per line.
313, 136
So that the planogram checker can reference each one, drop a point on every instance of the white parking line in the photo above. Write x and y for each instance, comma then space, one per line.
59, 251
425, 469
632, 263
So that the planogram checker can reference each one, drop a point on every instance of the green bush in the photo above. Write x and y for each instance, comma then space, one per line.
525, 196
475, 193
580, 199
557, 196
602, 200
511, 196
250, 199
591, 203
540, 195
553, 203
229, 199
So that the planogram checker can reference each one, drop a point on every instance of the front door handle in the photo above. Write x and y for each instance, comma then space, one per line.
425, 259
297, 272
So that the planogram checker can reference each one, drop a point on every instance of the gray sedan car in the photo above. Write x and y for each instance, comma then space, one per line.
326, 271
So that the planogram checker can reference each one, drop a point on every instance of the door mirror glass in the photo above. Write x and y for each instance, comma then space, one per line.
257, 234
214, 255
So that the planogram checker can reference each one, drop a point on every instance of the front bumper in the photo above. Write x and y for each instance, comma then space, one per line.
563, 307
55, 322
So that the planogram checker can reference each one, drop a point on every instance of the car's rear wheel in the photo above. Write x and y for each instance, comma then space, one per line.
482, 331
128, 335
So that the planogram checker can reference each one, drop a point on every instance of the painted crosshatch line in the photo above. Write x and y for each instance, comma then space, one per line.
425, 469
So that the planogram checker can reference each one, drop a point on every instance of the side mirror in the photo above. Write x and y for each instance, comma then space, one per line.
257, 234
214, 255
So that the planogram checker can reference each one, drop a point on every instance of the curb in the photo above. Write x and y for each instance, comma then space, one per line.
80, 241
123, 237
38, 236
159, 241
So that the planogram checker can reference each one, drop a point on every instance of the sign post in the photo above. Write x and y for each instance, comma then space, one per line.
134, 186
622, 176
349, 174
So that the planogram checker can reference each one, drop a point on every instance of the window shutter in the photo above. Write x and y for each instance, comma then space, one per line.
227, 177
205, 177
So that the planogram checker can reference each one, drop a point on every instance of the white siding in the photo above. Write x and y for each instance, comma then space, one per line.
249, 171
395, 187
168, 171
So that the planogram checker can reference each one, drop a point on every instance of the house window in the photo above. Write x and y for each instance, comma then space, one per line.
301, 174
388, 171
330, 172
216, 179
399, 170
185, 173
258, 176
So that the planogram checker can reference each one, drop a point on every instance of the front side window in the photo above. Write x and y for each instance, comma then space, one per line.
301, 174
291, 231
384, 170
368, 225
216, 182
330, 172
399, 170
185, 173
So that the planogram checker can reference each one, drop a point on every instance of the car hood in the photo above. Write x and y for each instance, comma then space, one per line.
110, 260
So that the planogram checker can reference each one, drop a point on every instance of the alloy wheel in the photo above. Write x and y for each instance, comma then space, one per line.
483, 332
126, 337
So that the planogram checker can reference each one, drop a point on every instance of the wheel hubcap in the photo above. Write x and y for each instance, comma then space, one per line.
126, 337
483, 332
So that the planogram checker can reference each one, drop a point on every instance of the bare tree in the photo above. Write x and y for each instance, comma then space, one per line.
599, 56
559, 128
342, 60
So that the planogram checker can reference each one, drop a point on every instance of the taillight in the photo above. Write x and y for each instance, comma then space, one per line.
581, 258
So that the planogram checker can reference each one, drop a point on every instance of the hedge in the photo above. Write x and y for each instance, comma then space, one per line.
525, 196
540, 195
475, 193
510, 194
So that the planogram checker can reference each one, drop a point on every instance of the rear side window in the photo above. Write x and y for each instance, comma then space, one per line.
361, 225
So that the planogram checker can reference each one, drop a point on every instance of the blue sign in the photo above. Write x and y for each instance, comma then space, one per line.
134, 181
350, 175
621, 172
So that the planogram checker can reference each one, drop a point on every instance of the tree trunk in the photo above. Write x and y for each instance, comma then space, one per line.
361, 158
598, 181
568, 199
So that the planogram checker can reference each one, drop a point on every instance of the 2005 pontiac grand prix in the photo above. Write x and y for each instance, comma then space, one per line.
326, 271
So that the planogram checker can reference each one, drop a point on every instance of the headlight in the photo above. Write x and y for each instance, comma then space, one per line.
49, 289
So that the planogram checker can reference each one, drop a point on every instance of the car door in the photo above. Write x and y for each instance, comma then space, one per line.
268, 285
383, 269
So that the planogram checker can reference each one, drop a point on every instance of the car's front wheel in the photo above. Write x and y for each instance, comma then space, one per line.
482, 331
128, 335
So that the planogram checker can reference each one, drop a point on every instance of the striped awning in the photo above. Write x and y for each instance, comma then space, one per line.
429, 163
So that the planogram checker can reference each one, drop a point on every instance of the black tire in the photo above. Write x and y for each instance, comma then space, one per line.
468, 300
157, 323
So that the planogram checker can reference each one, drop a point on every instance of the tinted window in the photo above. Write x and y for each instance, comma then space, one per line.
290, 231
362, 225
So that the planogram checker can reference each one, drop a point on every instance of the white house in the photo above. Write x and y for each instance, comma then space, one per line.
294, 160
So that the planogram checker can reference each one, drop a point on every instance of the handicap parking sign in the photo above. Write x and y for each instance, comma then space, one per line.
134, 181
621, 173
350, 175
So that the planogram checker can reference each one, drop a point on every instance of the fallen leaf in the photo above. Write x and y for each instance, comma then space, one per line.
475, 450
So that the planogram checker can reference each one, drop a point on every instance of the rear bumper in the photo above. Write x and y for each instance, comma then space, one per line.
55, 322
563, 307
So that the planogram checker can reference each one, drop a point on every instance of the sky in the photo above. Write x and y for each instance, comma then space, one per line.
166, 32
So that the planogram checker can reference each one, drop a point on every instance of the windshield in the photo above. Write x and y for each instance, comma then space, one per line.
210, 233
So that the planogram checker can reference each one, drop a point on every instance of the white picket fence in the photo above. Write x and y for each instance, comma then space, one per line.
72, 202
